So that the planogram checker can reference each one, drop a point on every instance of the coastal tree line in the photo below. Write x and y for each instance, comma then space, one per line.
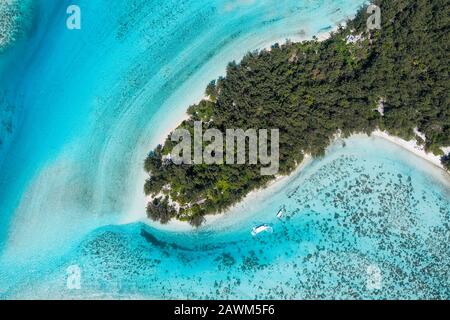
310, 91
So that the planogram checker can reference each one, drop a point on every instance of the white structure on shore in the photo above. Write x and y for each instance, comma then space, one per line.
380, 108
352, 38
420, 134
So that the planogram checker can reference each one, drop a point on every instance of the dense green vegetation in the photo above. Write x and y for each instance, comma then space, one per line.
310, 91
446, 161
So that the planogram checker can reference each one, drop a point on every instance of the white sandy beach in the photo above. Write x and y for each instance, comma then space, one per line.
253, 197
280, 181
164, 125
256, 196
412, 147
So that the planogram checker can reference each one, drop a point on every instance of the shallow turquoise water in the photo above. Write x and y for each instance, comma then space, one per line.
85, 107
393, 218
91, 103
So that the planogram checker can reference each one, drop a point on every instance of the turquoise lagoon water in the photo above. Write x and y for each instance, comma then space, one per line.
84, 107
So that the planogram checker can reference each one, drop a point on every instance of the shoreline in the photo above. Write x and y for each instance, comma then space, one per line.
272, 186
412, 147
176, 225
182, 116
267, 46
280, 181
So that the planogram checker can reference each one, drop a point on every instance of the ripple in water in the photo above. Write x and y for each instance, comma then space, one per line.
364, 222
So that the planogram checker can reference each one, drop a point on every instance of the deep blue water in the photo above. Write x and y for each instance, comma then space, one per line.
85, 106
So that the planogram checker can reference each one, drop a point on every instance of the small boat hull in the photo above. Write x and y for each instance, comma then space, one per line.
281, 213
260, 229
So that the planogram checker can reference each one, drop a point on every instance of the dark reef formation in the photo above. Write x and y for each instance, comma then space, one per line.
325, 250
15, 19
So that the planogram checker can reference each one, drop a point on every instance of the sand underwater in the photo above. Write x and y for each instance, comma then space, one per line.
79, 111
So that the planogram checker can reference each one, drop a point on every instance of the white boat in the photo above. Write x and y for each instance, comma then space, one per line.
281, 212
262, 228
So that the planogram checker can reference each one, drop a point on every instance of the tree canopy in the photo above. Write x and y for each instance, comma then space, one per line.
310, 91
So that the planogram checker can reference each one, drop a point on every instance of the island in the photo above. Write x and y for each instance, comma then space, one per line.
394, 79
